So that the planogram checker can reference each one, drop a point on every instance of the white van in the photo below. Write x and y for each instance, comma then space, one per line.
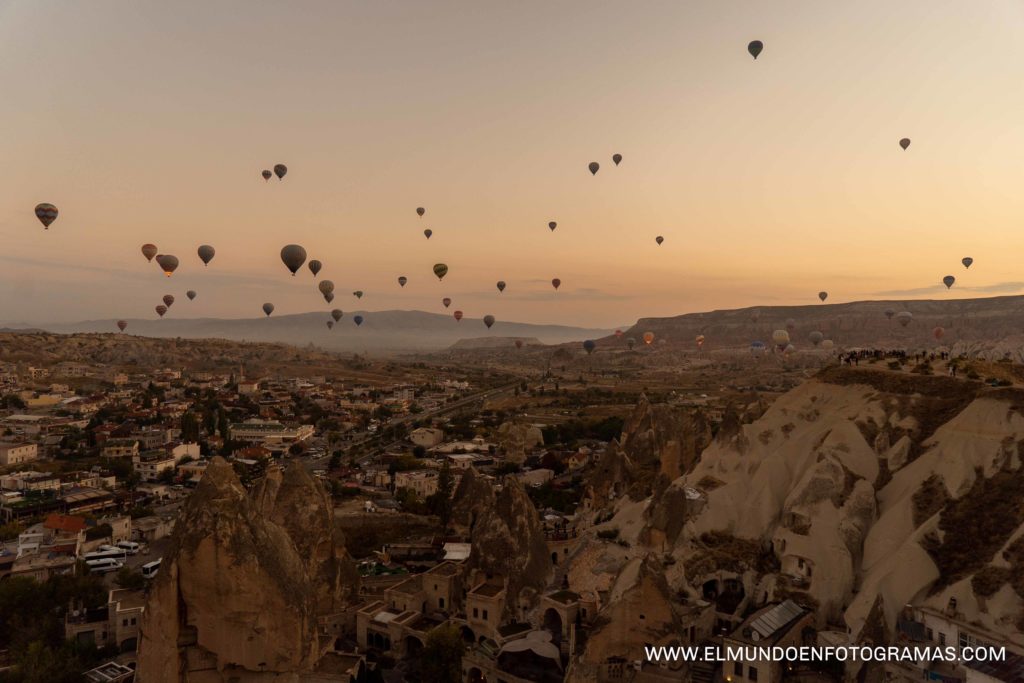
130, 547
103, 566
150, 569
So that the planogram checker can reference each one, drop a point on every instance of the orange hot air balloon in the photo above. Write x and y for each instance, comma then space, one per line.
457, 315
648, 338
618, 333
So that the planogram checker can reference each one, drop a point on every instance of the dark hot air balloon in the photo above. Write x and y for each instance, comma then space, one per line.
267, 174
552, 225
160, 310
501, 285
149, 251
122, 324
206, 254
336, 314
556, 283
420, 211
167, 263
904, 143
617, 158
328, 297
457, 315
46, 213
630, 343
816, 337
191, 294
268, 308
446, 301
402, 280
168, 300
519, 343
358, 294
325, 286
440, 270
280, 170
967, 261
358, 320
594, 167
330, 324
293, 257
948, 281
822, 295
754, 47
659, 239
589, 346
488, 320
314, 267
427, 233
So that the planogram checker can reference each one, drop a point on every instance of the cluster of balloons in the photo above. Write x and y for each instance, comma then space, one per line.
279, 171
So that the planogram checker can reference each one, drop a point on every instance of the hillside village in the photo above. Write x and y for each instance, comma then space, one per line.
246, 524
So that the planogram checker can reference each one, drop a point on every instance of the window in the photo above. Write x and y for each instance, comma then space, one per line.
942, 638
124, 622
930, 634
440, 603
485, 615
475, 613
752, 673
737, 669
133, 621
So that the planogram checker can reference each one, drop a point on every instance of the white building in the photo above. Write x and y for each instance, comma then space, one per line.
17, 453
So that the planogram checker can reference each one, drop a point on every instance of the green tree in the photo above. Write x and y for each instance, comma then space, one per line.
189, 427
132, 579
442, 656
440, 502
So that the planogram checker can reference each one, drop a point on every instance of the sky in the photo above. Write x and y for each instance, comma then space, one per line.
770, 180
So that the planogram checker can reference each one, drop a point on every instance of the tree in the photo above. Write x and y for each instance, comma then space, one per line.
440, 502
189, 427
419, 451
166, 476
442, 656
129, 578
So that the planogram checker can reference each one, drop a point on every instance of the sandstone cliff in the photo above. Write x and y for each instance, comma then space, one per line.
239, 592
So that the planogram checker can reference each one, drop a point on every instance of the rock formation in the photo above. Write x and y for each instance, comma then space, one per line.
239, 592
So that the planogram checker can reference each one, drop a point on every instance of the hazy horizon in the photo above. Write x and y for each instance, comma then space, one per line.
769, 179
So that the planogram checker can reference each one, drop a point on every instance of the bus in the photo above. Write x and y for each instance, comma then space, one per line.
130, 547
150, 569
107, 552
103, 566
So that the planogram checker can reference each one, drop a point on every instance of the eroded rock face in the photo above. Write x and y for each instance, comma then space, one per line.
239, 592
516, 439
472, 496
508, 539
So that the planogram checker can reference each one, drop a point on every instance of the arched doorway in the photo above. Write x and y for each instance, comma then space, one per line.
467, 635
413, 646
554, 558
476, 676
553, 624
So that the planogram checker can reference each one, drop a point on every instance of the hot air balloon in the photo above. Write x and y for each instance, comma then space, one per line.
501, 285
519, 343
325, 286
757, 349
122, 324
789, 350
828, 344
457, 315
618, 333
938, 332
904, 318
700, 341
314, 267
556, 283
149, 251
552, 225
790, 324
754, 47
268, 308
659, 239
589, 346
617, 158
160, 310
168, 300
488, 320
815, 337
428, 232
420, 211
648, 338
440, 270
358, 320
630, 343
293, 257
280, 170
594, 167
904, 143
266, 174
402, 280
889, 313
330, 324
358, 294
446, 302
191, 294
167, 263
822, 295
206, 253
780, 338
948, 281
46, 213
336, 314
329, 297
967, 261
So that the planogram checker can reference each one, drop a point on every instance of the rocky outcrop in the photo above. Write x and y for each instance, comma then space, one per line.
472, 497
515, 440
239, 592
508, 540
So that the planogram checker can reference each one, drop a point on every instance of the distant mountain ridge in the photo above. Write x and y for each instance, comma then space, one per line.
381, 331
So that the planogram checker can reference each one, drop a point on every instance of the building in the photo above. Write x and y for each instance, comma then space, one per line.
120, 448
116, 623
151, 464
781, 625
428, 437
423, 482
270, 433
17, 453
